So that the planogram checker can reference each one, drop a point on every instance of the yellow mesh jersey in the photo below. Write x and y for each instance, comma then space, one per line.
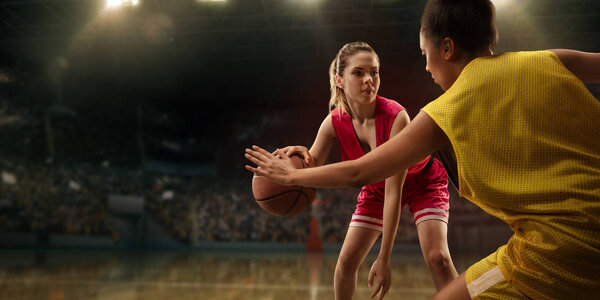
526, 133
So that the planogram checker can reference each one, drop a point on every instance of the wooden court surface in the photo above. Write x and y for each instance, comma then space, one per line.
149, 275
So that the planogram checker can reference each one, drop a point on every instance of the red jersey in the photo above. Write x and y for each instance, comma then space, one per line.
370, 199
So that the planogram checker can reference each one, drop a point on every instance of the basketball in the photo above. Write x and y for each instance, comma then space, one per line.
281, 200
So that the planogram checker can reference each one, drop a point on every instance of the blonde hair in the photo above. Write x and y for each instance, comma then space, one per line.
337, 67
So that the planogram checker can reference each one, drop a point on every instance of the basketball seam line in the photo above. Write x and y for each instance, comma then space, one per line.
295, 201
300, 192
280, 194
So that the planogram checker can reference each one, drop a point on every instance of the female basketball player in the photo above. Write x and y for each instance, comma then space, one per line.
525, 132
360, 121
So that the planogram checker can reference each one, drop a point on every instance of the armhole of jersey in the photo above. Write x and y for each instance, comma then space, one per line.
557, 59
450, 138
335, 136
555, 56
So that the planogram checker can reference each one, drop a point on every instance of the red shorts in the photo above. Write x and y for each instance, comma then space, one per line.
426, 193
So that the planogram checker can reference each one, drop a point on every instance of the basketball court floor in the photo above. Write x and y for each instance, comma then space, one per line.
149, 275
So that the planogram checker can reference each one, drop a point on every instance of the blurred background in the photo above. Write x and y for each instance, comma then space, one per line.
123, 125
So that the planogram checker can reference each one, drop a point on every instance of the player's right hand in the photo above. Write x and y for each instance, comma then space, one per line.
382, 271
276, 167
300, 150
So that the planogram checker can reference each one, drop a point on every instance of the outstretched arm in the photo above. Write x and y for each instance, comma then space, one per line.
585, 65
417, 140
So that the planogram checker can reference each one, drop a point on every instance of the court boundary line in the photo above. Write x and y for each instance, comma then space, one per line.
208, 285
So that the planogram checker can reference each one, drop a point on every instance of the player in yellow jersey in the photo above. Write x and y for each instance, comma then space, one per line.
525, 133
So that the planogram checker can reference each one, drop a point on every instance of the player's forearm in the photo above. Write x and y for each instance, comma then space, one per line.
391, 218
370, 168
318, 157
344, 174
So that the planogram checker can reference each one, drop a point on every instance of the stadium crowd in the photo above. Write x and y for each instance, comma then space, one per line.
61, 199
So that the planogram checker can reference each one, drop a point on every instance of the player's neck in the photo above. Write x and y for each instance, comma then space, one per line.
462, 63
459, 64
362, 112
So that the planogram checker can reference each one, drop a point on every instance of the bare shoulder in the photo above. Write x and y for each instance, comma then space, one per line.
568, 56
326, 128
402, 119
584, 65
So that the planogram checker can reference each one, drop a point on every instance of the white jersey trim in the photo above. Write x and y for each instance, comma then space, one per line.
485, 281
365, 218
366, 225
435, 210
431, 217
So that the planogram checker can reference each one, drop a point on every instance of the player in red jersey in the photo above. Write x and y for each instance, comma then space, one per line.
361, 120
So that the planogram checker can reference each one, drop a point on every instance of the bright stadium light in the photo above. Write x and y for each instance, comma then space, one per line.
500, 3
115, 3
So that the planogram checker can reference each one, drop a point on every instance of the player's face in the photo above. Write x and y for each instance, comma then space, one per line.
360, 80
435, 62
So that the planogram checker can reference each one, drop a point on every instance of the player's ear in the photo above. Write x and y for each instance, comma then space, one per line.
339, 82
448, 49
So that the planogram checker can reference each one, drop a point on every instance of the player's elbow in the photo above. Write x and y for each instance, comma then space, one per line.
356, 182
357, 178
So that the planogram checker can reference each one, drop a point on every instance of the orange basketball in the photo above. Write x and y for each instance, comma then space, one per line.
281, 200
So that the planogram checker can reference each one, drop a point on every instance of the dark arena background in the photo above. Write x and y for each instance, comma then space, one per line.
123, 125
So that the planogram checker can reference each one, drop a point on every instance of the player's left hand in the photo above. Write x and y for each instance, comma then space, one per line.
380, 269
278, 167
